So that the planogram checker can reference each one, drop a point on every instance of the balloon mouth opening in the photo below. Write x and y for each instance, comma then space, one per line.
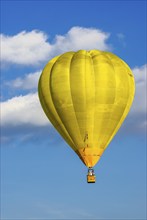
90, 156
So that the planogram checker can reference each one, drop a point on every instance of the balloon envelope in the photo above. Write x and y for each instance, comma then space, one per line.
87, 95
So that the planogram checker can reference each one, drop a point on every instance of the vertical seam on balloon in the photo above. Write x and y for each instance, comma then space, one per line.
42, 100
122, 118
101, 146
96, 55
104, 54
94, 98
50, 88
72, 96
86, 129
128, 75
51, 72
60, 114
124, 110
52, 119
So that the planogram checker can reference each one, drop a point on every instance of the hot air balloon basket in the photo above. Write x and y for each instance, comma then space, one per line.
91, 178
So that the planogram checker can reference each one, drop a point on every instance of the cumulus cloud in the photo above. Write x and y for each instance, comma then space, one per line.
140, 74
137, 121
23, 110
81, 38
32, 48
29, 81
27, 48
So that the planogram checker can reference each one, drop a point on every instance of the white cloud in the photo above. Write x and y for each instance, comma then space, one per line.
140, 74
32, 48
139, 105
23, 110
29, 81
137, 121
81, 38
27, 48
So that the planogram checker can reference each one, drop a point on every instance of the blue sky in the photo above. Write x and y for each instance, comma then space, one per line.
41, 177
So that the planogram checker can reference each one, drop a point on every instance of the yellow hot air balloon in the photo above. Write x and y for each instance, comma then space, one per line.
87, 95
